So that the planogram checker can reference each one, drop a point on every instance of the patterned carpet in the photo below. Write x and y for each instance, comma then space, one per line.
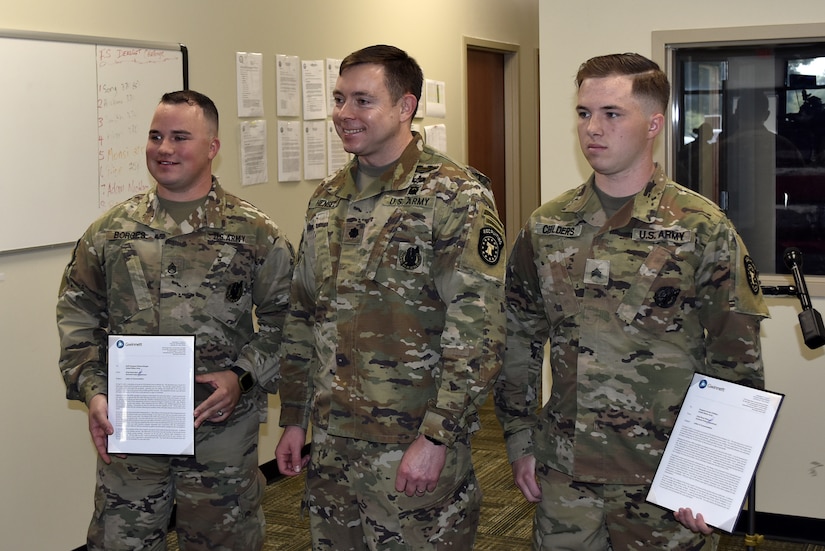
505, 516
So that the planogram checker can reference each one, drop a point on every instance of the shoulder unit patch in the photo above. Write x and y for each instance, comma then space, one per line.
490, 245
752, 274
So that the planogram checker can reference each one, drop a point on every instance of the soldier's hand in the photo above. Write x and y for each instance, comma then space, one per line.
288, 451
221, 403
695, 524
524, 475
420, 467
99, 426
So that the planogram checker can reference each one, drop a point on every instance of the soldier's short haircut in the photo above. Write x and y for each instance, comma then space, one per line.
191, 97
649, 81
402, 74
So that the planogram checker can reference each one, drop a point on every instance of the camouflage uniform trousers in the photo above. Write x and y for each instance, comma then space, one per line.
606, 517
218, 493
353, 504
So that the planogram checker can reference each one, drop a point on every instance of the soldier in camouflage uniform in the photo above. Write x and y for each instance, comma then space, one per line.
396, 327
184, 258
636, 282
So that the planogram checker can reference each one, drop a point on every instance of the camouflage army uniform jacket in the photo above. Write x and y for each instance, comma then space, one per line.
631, 307
136, 271
396, 323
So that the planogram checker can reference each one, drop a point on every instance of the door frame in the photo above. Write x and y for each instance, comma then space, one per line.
512, 141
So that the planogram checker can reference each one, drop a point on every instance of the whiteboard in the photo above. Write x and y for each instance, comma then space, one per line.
74, 119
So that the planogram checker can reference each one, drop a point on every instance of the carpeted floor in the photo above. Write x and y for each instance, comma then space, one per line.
505, 515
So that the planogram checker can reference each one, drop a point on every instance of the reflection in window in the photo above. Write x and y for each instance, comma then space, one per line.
750, 123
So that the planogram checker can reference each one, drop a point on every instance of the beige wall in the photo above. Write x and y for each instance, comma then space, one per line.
788, 480
47, 464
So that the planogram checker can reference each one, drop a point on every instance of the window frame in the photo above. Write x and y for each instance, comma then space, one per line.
664, 44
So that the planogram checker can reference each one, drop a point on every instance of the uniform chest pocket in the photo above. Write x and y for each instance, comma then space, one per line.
125, 270
318, 243
227, 284
401, 260
662, 290
559, 293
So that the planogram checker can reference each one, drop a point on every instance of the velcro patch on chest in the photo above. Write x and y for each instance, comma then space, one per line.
673, 235
557, 230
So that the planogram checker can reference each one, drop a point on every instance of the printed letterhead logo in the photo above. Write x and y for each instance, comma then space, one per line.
120, 343
705, 384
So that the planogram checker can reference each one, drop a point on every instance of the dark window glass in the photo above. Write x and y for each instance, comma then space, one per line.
750, 135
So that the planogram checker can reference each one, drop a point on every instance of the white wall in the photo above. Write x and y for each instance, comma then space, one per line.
47, 464
788, 481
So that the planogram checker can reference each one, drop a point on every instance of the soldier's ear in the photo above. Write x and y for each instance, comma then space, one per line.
408, 103
214, 147
657, 123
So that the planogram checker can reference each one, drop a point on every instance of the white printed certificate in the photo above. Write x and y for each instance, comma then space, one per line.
151, 394
714, 449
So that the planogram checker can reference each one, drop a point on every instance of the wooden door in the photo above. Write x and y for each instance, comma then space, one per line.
485, 120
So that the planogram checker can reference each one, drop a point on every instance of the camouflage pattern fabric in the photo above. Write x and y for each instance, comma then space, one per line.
342, 519
631, 307
396, 328
396, 323
218, 494
579, 513
136, 271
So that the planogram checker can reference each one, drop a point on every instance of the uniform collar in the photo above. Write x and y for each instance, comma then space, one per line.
397, 177
646, 203
208, 215
586, 203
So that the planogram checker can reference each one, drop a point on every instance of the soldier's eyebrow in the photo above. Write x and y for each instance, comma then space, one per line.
154, 132
581, 107
358, 94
